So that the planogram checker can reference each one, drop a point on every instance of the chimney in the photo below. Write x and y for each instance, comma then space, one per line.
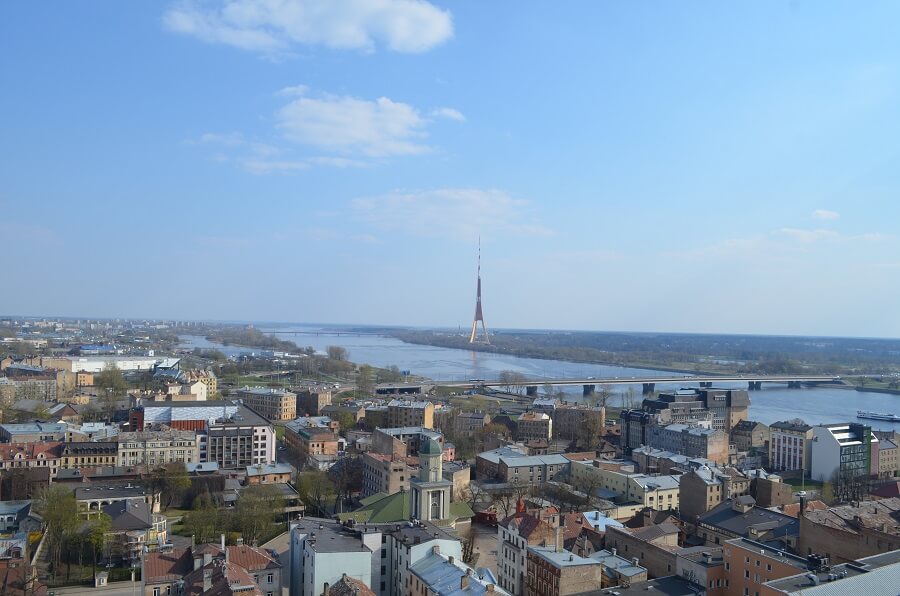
802, 505
636, 562
559, 540
436, 549
464, 582
207, 580
240, 541
450, 559
613, 551
325, 589
222, 537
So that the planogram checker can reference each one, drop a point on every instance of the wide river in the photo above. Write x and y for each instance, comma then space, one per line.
772, 403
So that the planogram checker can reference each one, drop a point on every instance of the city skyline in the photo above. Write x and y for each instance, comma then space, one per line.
695, 169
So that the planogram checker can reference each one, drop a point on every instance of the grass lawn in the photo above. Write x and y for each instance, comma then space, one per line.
798, 484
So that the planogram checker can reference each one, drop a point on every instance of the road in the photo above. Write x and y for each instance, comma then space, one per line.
485, 546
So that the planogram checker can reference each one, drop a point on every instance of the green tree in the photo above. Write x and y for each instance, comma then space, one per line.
59, 510
98, 528
256, 510
346, 421
205, 519
111, 378
316, 489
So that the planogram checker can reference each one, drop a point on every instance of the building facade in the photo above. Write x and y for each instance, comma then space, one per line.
789, 446
273, 404
844, 450
158, 447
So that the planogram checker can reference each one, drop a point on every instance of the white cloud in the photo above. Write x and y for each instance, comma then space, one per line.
448, 113
375, 128
453, 212
808, 236
826, 214
276, 26
293, 91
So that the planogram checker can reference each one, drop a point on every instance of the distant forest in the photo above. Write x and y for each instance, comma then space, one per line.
755, 354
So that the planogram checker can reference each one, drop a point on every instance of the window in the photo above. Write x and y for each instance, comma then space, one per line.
155, 591
270, 578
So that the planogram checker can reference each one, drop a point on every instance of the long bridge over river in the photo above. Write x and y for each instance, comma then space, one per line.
590, 384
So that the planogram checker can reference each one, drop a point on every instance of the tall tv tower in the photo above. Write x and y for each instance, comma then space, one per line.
479, 316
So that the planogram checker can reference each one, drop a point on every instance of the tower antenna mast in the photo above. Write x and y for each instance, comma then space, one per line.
479, 315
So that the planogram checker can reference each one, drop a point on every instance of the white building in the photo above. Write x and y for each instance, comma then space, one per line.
845, 448
789, 446
379, 555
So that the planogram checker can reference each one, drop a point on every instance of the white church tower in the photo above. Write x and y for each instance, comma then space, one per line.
430, 493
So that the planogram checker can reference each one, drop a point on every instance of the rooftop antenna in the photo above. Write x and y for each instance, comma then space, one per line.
479, 316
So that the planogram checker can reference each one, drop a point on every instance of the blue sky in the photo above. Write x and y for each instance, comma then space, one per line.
699, 167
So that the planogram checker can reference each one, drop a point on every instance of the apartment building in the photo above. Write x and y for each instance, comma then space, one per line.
410, 413
208, 378
379, 556
852, 531
845, 450
306, 441
888, 462
691, 441
240, 440
554, 571
749, 434
569, 421
273, 404
83, 454
438, 574
789, 446
158, 447
705, 487
466, 424
311, 400
31, 432
387, 474
534, 426
621, 484
44, 454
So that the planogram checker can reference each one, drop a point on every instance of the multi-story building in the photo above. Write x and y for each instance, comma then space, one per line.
311, 400
532, 469
158, 447
554, 571
466, 424
209, 569
311, 441
888, 462
208, 378
752, 563
789, 445
269, 474
691, 441
187, 415
739, 517
240, 440
44, 454
32, 432
849, 532
534, 426
274, 404
410, 413
487, 463
570, 421
622, 485
514, 535
844, 450
436, 573
704, 488
38, 387
385, 473
403, 441
705, 568
748, 435
83, 454
378, 555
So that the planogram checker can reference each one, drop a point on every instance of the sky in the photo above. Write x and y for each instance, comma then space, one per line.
645, 166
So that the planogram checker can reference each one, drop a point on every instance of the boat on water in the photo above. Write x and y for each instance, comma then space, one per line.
877, 416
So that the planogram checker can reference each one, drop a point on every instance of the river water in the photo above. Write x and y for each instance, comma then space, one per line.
771, 404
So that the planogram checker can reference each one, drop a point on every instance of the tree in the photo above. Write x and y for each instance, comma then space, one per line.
346, 421
170, 481
205, 521
111, 378
468, 547
98, 528
59, 510
316, 489
365, 380
338, 353
504, 501
256, 510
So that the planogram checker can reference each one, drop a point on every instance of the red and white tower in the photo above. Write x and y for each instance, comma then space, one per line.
479, 316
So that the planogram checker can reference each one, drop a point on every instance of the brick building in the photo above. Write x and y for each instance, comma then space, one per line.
273, 404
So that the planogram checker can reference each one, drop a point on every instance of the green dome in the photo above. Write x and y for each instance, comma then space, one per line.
431, 447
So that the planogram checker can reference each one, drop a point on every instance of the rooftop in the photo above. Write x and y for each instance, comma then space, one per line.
791, 425
445, 575
881, 514
561, 558
756, 522
263, 470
